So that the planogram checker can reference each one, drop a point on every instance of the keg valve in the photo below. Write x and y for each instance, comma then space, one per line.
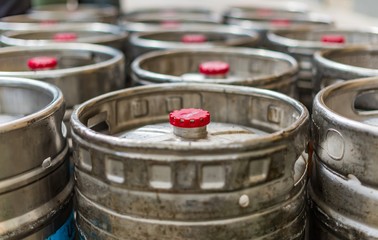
190, 123
42, 63
214, 69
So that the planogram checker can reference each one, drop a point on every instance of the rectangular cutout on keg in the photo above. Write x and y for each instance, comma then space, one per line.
213, 177
114, 170
99, 123
258, 170
139, 108
173, 103
85, 160
160, 176
274, 114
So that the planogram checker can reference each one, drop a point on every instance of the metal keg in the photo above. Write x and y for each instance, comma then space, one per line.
192, 37
76, 13
159, 19
82, 71
303, 43
343, 188
233, 66
142, 173
36, 180
96, 33
343, 64
266, 18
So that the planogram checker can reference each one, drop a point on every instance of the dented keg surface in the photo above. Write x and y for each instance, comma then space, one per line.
82, 71
343, 187
303, 43
348, 63
152, 20
241, 177
275, 17
233, 66
192, 37
96, 33
36, 182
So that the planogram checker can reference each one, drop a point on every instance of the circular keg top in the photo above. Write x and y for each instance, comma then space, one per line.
189, 118
193, 38
251, 67
313, 39
42, 63
214, 68
65, 36
98, 33
333, 38
204, 36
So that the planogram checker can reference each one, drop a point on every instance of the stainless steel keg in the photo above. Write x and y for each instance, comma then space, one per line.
192, 37
240, 177
49, 16
36, 181
343, 189
344, 64
233, 66
158, 19
96, 33
303, 43
266, 18
76, 13
82, 71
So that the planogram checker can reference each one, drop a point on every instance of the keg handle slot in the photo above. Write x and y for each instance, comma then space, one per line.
99, 123
366, 102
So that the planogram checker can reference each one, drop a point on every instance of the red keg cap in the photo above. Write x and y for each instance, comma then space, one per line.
193, 38
214, 68
43, 62
280, 22
189, 118
333, 38
65, 37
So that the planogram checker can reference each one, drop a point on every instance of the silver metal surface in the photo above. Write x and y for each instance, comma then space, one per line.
344, 64
344, 182
137, 180
248, 67
96, 33
303, 43
216, 35
158, 19
36, 182
82, 13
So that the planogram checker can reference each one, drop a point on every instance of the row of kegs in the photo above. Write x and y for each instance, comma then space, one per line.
207, 150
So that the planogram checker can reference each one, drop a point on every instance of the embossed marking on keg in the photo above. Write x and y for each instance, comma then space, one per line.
244, 201
160, 176
213, 177
139, 108
114, 170
173, 103
335, 144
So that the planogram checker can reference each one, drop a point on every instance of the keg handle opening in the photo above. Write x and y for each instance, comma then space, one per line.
366, 102
190, 123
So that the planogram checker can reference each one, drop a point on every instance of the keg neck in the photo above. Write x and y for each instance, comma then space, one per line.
190, 123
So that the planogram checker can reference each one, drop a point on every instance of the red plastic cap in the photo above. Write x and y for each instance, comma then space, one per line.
189, 118
333, 38
39, 63
214, 68
193, 38
65, 37
280, 22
